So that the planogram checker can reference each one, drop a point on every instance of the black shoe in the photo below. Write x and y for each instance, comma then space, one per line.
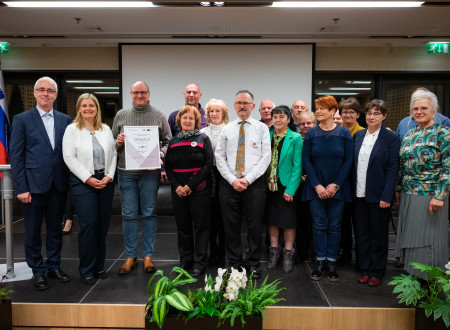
256, 272
333, 276
40, 283
197, 272
319, 270
89, 280
274, 256
288, 257
100, 274
59, 275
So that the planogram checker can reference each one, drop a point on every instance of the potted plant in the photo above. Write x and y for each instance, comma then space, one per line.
430, 296
232, 296
168, 296
5, 308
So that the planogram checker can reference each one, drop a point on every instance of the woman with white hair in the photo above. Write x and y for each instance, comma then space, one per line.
423, 186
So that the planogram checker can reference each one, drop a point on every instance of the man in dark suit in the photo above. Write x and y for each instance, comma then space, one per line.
41, 179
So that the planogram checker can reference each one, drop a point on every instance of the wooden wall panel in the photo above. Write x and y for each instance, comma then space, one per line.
114, 316
373, 318
45, 315
298, 318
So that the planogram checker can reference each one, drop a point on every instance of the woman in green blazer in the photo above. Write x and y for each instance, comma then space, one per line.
283, 178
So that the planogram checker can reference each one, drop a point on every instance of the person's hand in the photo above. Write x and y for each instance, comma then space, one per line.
120, 139
384, 205
93, 182
24, 197
180, 192
321, 191
187, 190
164, 178
331, 190
288, 198
238, 185
244, 182
103, 182
397, 198
435, 205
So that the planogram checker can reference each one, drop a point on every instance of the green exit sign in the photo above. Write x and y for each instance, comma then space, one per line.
438, 48
4, 47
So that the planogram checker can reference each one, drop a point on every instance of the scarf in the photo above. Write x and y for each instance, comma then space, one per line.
272, 170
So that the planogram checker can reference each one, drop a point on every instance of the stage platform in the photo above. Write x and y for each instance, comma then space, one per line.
118, 302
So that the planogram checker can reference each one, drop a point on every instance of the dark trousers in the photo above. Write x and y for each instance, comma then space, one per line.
216, 233
50, 206
347, 229
192, 218
68, 211
372, 229
303, 234
249, 203
93, 208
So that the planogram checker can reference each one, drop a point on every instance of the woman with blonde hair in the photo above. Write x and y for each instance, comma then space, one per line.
216, 113
89, 151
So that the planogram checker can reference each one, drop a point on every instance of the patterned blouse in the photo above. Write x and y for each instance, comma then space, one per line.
425, 162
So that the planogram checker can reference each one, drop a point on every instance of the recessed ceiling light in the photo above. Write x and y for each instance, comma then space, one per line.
346, 4
357, 82
94, 87
80, 4
349, 88
337, 93
205, 3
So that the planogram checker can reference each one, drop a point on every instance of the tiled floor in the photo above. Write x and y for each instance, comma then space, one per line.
130, 289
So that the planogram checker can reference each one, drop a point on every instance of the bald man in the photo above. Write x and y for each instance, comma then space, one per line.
297, 108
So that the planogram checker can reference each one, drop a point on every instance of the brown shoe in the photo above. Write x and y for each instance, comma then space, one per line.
128, 266
149, 266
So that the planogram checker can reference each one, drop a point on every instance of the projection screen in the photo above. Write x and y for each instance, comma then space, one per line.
281, 72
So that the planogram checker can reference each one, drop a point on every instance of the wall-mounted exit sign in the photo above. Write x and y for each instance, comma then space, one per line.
438, 48
4, 47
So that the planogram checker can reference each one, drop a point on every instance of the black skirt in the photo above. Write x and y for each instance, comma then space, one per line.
280, 213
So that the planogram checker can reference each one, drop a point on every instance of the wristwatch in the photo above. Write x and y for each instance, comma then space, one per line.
337, 187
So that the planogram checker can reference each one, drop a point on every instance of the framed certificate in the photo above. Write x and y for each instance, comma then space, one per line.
141, 147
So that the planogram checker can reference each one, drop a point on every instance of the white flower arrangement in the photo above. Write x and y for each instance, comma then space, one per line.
447, 266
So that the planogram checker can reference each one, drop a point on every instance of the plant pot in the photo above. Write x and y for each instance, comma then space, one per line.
427, 323
5, 315
207, 323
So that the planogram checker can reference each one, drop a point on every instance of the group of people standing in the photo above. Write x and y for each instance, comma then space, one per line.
299, 172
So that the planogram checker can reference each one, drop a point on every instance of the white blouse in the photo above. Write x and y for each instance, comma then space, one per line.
363, 162
213, 132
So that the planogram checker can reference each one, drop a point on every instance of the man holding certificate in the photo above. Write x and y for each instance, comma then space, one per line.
139, 131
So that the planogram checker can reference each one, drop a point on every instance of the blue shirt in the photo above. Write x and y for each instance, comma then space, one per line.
407, 123
173, 121
49, 124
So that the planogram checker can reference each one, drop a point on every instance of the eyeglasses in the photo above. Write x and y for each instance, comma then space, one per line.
244, 104
43, 90
373, 114
307, 123
348, 113
421, 109
136, 93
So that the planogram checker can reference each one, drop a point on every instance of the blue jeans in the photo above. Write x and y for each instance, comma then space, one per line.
135, 189
326, 220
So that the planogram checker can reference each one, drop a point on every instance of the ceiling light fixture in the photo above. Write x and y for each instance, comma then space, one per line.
211, 3
79, 4
346, 4
357, 82
337, 93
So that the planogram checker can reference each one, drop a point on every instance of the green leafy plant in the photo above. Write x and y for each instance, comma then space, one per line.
207, 302
4, 293
165, 293
433, 297
252, 301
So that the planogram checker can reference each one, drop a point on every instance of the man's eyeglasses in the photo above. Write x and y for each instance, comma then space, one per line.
136, 93
43, 90
373, 114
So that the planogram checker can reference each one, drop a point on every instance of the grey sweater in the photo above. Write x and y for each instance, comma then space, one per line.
141, 116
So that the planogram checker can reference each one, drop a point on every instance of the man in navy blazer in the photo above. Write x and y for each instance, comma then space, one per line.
41, 179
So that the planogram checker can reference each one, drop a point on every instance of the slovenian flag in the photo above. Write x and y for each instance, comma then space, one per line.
4, 124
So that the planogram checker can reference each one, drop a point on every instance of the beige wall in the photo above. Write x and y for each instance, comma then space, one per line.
61, 58
327, 58
379, 59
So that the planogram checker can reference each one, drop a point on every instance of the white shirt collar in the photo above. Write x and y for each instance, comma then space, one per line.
374, 134
42, 112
